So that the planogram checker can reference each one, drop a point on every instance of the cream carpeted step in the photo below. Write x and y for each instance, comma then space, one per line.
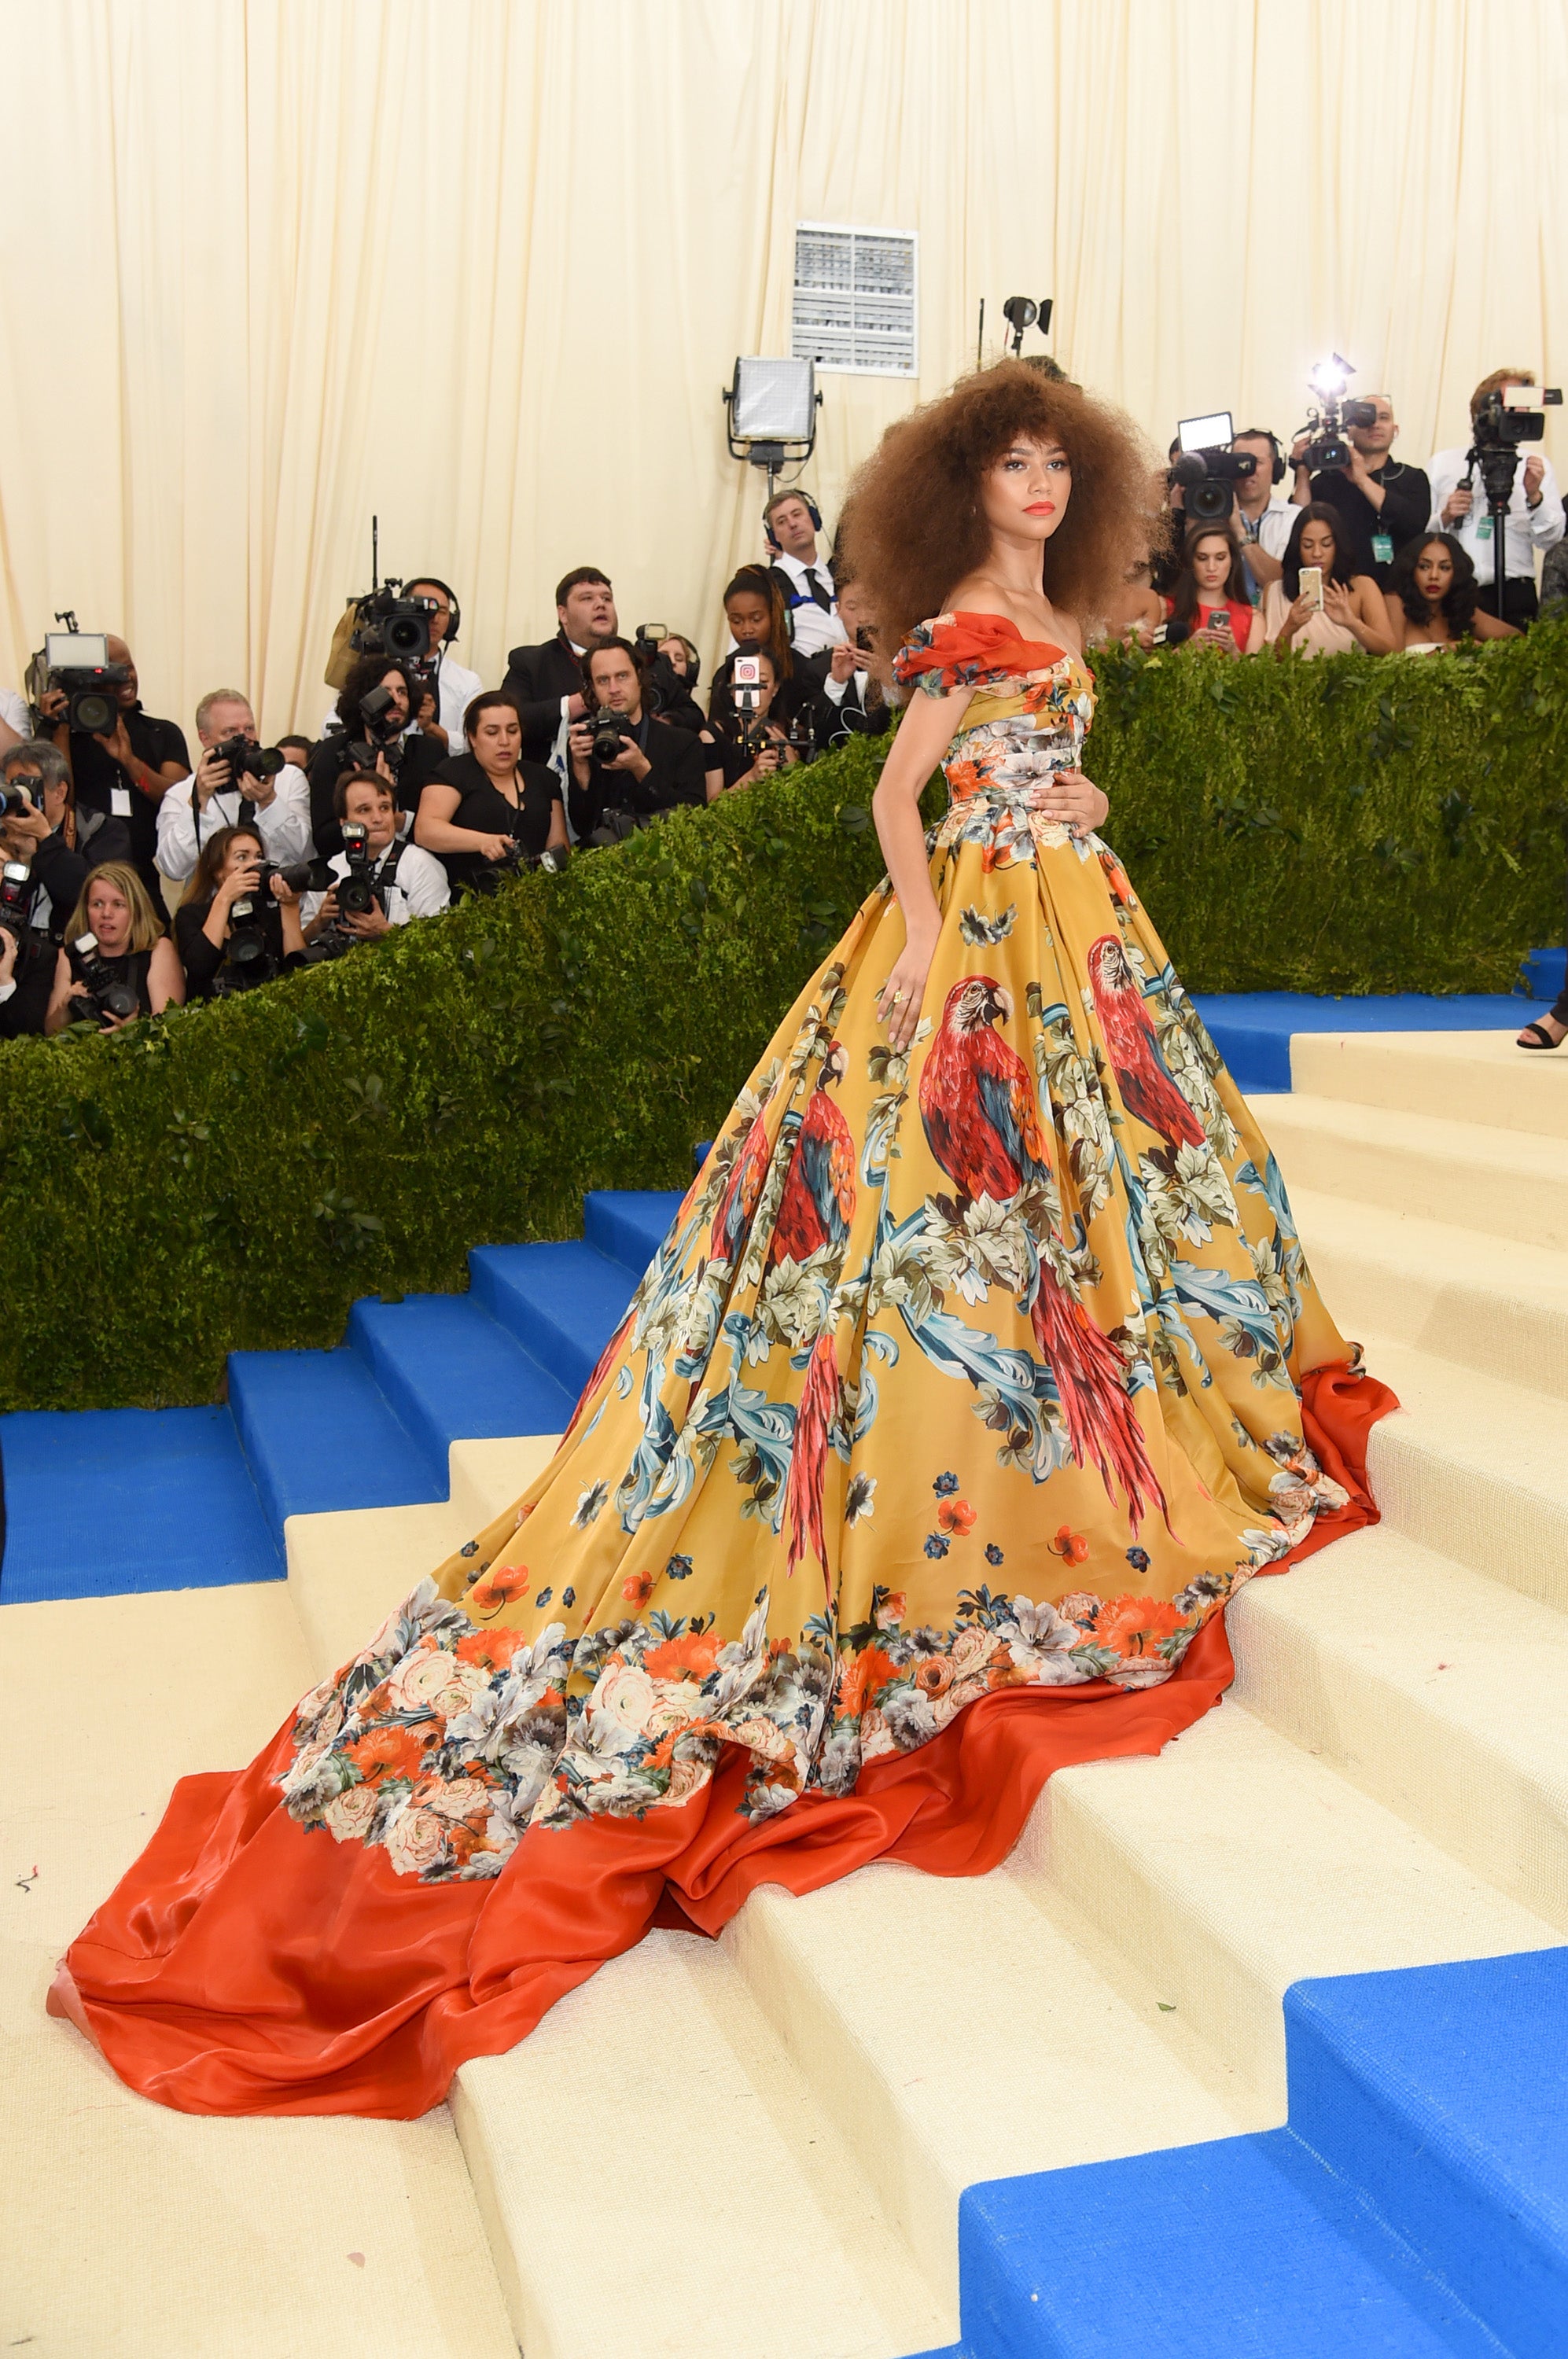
1501, 1183
1438, 1693
953, 2032
349, 1566
1234, 1865
659, 2179
151, 2233
1474, 1468
1488, 1302
1453, 1075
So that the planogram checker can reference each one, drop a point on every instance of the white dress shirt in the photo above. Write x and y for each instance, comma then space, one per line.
419, 890
283, 824
811, 627
14, 711
1525, 529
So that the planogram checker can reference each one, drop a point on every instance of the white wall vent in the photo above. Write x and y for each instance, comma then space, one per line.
854, 298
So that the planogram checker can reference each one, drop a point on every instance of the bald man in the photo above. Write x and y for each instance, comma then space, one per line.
127, 770
1383, 503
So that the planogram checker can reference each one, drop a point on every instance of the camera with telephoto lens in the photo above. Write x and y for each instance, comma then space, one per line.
17, 889
249, 761
383, 733
386, 624
78, 662
1207, 469
252, 953
99, 992
611, 731
14, 803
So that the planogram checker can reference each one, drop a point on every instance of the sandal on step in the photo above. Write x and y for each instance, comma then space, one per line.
1543, 1039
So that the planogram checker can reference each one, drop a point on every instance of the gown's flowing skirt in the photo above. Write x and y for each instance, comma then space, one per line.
964, 1390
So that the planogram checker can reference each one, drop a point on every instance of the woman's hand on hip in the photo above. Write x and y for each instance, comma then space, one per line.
1073, 800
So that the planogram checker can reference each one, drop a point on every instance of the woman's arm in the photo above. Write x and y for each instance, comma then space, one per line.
924, 735
1487, 626
1367, 617
557, 840
166, 976
1394, 620
55, 1016
1255, 640
434, 830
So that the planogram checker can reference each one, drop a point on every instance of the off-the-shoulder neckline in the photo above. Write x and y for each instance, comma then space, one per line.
977, 615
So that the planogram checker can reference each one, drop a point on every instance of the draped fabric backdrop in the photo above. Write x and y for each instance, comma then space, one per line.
484, 267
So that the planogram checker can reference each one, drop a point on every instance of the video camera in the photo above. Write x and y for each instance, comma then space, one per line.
388, 624
1207, 469
17, 889
78, 662
1329, 454
1507, 417
101, 992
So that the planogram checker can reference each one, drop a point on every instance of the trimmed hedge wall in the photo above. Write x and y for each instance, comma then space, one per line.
233, 1176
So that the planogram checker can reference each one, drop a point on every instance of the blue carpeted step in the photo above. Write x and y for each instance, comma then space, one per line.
629, 1224
1416, 2205
1442, 2092
100, 1502
449, 1373
318, 1432
561, 1302
1252, 1029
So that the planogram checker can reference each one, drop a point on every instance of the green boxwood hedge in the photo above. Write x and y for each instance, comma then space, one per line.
233, 1176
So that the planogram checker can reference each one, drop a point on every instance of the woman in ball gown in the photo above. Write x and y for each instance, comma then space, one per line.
979, 1368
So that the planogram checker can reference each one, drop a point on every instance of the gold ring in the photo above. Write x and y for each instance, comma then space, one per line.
897, 996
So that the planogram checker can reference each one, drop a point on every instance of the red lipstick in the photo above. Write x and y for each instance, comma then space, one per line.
1040, 507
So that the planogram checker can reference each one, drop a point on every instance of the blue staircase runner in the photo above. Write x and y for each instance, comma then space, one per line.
101, 1502
1415, 2206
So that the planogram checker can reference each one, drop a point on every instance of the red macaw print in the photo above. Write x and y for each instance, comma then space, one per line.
818, 1202
982, 1124
809, 1456
737, 1206
1142, 1075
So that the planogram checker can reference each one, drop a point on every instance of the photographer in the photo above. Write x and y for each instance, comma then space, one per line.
1350, 613
488, 810
1433, 603
395, 880
226, 778
132, 971
1381, 504
55, 841
1262, 522
545, 683
653, 767
1534, 517
455, 687
1209, 599
123, 772
751, 745
28, 962
387, 739
231, 933
854, 702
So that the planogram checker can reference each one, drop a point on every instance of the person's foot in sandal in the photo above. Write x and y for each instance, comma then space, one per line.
1546, 1032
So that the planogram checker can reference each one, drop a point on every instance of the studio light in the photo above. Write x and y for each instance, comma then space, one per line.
772, 407
1021, 311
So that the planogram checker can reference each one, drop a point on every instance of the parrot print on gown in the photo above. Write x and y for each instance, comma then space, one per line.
1142, 1074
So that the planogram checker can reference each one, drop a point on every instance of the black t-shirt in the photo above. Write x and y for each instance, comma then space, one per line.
131, 967
677, 774
97, 774
1407, 504
486, 810
24, 1010
203, 960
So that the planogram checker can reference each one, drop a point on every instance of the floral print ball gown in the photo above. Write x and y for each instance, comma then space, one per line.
964, 1390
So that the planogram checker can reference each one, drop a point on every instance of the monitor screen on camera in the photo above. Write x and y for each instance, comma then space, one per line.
1212, 433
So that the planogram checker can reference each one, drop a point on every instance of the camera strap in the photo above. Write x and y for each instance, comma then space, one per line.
384, 873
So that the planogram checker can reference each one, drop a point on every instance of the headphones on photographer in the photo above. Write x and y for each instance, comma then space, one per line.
1262, 434
449, 637
807, 501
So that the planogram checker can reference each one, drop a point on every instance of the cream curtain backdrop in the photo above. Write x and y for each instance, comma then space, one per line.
482, 268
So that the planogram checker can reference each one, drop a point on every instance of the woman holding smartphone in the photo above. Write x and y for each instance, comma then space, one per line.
1319, 606
1209, 594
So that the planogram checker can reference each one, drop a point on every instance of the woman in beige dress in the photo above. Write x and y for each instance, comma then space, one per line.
1352, 613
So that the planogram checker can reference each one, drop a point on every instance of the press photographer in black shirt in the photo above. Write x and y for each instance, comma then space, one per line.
1383, 503
117, 962
488, 810
127, 770
390, 741
654, 767
55, 841
231, 933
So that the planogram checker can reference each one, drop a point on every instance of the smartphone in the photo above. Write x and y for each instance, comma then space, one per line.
745, 685
1312, 585
1219, 620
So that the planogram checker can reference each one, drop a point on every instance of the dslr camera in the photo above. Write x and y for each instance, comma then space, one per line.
1329, 454
382, 734
99, 992
611, 731
249, 761
1207, 469
250, 955
78, 662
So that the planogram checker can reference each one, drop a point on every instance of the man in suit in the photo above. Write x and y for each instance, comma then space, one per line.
545, 683
851, 701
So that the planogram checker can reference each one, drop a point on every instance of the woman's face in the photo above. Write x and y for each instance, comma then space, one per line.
498, 740
1024, 494
1317, 545
674, 650
108, 915
1211, 566
746, 613
244, 852
1435, 573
